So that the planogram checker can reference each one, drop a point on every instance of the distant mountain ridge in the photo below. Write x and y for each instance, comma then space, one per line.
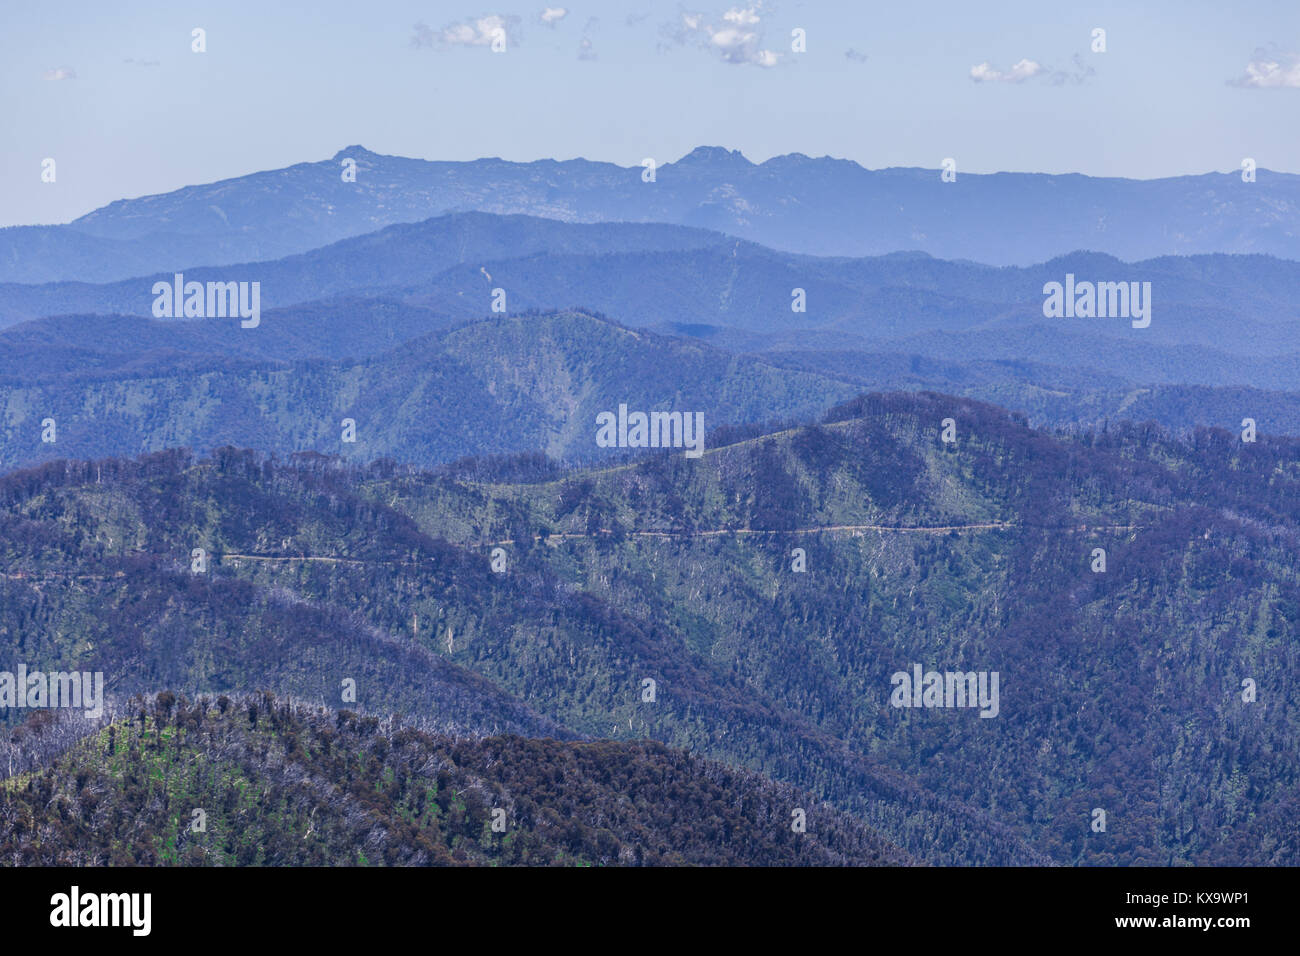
369, 294
395, 256
658, 275
425, 389
795, 203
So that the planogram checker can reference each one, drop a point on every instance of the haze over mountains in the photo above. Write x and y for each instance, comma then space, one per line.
391, 480
663, 275
793, 203
396, 330
507, 384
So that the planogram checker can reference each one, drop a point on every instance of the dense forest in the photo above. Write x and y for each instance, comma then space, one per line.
253, 780
511, 596
426, 387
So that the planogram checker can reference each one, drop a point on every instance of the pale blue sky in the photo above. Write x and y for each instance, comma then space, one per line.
287, 82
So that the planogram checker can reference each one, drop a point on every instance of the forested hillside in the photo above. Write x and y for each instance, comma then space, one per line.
1122, 688
523, 383
257, 781
425, 389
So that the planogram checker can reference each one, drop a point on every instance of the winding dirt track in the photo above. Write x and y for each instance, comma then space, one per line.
45, 576
718, 532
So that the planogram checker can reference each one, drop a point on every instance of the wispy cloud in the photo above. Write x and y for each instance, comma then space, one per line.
1081, 73
60, 73
1027, 69
586, 51
1270, 69
552, 15
480, 31
1024, 70
735, 37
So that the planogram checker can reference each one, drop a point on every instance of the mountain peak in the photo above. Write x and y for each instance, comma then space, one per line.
713, 156
353, 152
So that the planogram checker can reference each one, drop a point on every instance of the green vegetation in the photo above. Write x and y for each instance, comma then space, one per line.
1120, 690
276, 784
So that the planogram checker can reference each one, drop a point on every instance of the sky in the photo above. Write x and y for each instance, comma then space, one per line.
115, 94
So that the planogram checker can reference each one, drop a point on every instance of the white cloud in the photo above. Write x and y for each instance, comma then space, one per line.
729, 38
747, 17
61, 73
480, 31
552, 15
1018, 73
1027, 69
1271, 70
1024, 70
735, 39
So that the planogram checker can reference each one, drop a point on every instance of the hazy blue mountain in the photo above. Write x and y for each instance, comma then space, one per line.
648, 274
62, 253
400, 343
797, 203
497, 386
1217, 305
1133, 357
427, 389
342, 328
476, 431
392, 257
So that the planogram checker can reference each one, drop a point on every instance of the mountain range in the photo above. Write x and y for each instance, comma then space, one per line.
767, 590
512, 384
820, 206
389, 567
396, 331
